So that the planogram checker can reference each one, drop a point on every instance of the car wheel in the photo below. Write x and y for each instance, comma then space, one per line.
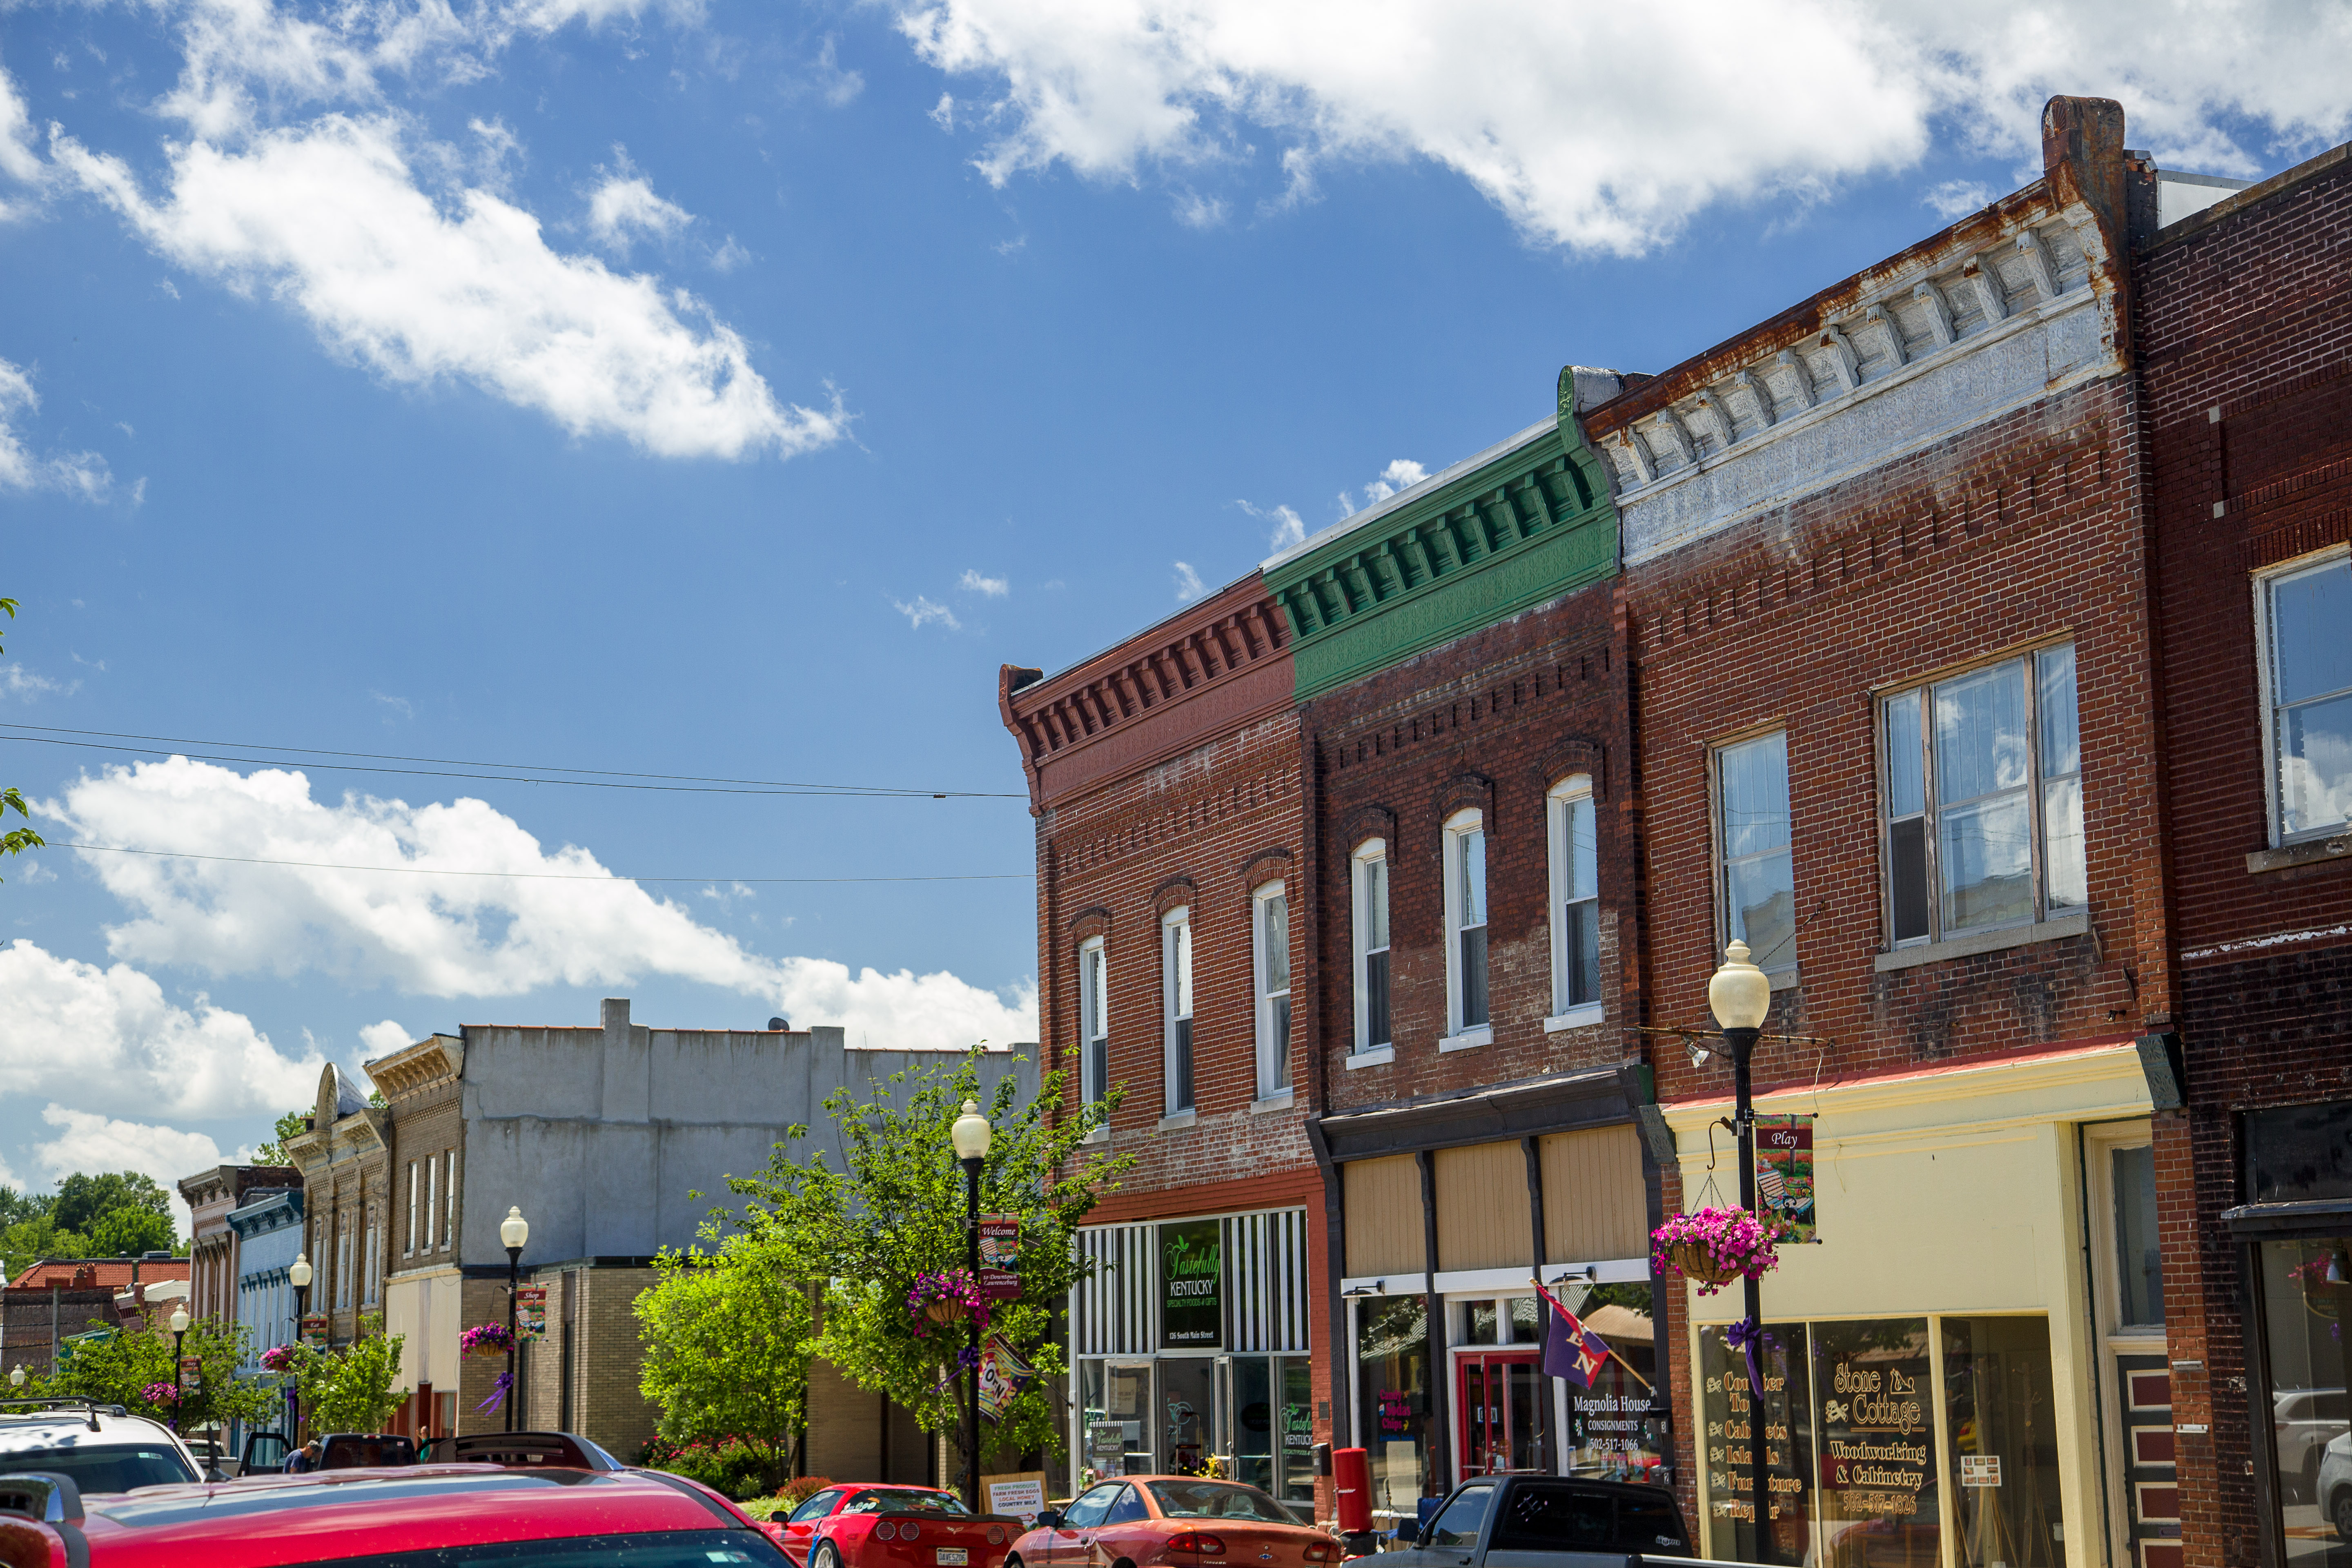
2339, 1510
825, 1557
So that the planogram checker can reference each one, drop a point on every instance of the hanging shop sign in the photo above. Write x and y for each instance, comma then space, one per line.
314, 1328
1784, 1174
1106, 1447
1002, 1376
1191, 1285
1000, 1257
530, 1311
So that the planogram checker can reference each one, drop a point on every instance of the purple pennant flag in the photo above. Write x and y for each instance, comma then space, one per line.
1570, 1349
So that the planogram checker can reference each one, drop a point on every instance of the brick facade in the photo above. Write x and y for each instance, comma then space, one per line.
2245, 329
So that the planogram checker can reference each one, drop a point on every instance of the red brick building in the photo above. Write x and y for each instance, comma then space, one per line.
1473, 960
1884, 562
1163, 775
2245, 337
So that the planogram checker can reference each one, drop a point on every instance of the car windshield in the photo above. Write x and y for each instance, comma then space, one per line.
656, 1549
1217, 1500
904, 1502
106, 1468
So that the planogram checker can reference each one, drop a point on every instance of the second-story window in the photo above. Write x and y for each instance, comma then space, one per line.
1984, 799
448, 1198
1176, 987
2306, 666
1759, 886
1370, 873
412, 1211
1270, 942
1094, 1022
1575, 898
430, 1168
1466, 923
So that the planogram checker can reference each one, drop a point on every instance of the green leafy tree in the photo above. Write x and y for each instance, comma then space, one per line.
861, 1235
350, 1388
293, 1124
118, 1367
28, 1241
17, 1207
129, 1232
15, 840
83, 1200
726, 1333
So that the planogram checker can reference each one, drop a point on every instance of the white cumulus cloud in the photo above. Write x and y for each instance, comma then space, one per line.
1401, 474
88, 1141
1189, 586
80, 474
1612, 124
108, 1040
971, 581
567, 921
623, 208
329, 217
18, 162
1289, 528
920, 612
382, 1039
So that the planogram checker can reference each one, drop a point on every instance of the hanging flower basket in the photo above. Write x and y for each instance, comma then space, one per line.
160, 1394
2327, 1284
277, 1358
1713, 1246
944, 1296
484, 1340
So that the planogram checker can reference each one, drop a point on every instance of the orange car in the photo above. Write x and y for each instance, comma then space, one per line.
1178, 1521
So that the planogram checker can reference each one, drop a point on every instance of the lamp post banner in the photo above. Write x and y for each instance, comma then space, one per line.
1000, 1257
314, 1328
1784, 1175
530, 1311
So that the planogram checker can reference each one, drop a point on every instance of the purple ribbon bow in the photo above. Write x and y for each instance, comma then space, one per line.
498, 1392
1743, 1335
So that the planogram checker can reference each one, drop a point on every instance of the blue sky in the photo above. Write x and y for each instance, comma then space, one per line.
727, 389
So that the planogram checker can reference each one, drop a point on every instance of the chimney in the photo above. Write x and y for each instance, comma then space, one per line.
616, 1015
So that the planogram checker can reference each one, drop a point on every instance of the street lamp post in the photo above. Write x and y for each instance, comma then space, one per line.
1740, 995
513, 1231
179, 1321
298, 1276
970, 1134
16, 1376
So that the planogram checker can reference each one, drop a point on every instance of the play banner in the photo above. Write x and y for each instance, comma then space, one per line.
1784, 1174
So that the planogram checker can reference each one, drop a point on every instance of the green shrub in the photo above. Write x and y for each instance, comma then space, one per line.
800, 1488
732, 1469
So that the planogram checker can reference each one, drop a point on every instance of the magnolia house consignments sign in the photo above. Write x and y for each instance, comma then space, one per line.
1191, 1285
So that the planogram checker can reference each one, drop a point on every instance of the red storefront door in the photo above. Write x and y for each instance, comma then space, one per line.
1501, 1396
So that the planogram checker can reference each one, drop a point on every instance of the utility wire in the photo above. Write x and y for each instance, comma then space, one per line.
532, 876
601, 778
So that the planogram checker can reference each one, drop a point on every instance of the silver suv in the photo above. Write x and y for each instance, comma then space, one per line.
98, 1448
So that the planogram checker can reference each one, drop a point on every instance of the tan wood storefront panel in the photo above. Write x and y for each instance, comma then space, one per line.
1383, 1199
1482, 1207
1595, 1204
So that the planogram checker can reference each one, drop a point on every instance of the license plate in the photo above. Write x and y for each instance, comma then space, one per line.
954, 1557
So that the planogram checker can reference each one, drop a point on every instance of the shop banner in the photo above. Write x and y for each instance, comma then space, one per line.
1002, 1376
1191, 1285
530, 1313
314, 1328
1784, 1174
1000, 1257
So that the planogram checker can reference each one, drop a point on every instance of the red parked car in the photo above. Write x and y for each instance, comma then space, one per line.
1176, 1521
871, 1526
424, 1516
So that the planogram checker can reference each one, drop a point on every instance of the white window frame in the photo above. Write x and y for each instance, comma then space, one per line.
2035, 792
432, 1169
1460, 1036
2266, 665
1177, 989
1094, 1020
1273, 1054
1783, 973
412, 1210
1561, 803
1371, 852
450, 1200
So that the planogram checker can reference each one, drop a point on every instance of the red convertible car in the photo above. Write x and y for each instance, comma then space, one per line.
894, 1526
1181, 1522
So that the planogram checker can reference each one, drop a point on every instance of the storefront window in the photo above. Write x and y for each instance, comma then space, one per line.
1297, 1377
1610, 1434
1392, 1395
1788, 1442
2139, 1259
1876, 1395
2307, 1302
1115, 1400
2003, 1427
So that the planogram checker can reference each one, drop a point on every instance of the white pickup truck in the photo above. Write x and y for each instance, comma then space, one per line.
1551, 1521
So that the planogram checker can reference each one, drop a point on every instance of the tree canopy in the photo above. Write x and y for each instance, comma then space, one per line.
123, 1366
82, 1200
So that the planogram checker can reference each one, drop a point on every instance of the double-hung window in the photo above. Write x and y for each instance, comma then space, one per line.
1575, 901
411, 1252
1983, 793
1370, 874
1759, 889
2303, 612
1094, 1022
1465, 927
1176, 989
1270, 945
432, 1169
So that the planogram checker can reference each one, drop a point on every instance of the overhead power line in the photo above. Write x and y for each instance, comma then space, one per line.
528, 876
520, 772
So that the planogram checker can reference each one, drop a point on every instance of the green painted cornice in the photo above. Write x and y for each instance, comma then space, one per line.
1521, 523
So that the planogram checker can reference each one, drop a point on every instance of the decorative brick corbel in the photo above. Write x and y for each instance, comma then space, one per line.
1171, 894
1268, 865
1088, 924
1367, 822
1467, 789
1574, 755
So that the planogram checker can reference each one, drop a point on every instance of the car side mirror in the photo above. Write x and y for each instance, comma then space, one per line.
1049, 1519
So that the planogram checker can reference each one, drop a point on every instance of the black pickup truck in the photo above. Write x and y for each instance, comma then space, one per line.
1549, 1521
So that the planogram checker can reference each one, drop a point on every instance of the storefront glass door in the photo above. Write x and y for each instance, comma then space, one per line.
2307, 1302
1502, 1397
1187, 1420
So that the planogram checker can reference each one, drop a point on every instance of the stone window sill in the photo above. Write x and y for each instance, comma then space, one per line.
1176, 1119
2078, 924
1377, 1057
1468, 1039
1098, 1135
2310, 852
1582, 1017
1785, 979
1278, 1100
